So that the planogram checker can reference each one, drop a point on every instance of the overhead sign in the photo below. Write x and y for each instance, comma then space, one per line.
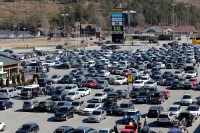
117, 23
117, 15
98, 29
117, 10
117, 19
130, 79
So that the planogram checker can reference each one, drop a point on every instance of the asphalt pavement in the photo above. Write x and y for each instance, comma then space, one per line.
15, 117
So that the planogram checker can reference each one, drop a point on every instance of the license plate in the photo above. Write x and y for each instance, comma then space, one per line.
162, 119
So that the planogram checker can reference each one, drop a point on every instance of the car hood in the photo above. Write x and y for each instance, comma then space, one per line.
99, 84
122, 109
56, 107
64, 78
68, 96
106, 108
96, 97
94, 116
60, 113
56, 96
168, 81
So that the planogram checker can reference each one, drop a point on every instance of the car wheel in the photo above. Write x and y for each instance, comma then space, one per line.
5, 108
48, 109
89, 93
12, 105
66, 118
72, 115
4, 128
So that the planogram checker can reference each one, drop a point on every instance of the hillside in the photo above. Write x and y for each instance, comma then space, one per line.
192, 2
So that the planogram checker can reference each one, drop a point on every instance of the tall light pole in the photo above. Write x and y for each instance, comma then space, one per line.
24, 37
187, 6
129, 18
64, 15
173, 23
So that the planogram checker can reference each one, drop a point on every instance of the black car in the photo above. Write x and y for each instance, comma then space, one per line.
50, 89
156, 73
113, 69
135, 92
39, 75
167, 74
114, 96
85, 129
110, 106
122, 92
59, 94
74, 72
154, 111
158, 79
63, 66
10, 51
80, 81
143, 97
64, 129
152, 90
187, 85
46, 105
64, 113
67, 79
168, 81
42, 82
110, 80
176, 85
102, 84
158, 97
30, 127
187, 68
190, 118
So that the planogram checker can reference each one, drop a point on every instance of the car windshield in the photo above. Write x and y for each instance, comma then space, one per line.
98, 95
150, 82
167, 72
63, 110
101, 82
131, 113
25, 127
177, 72
120, 68
75, 103
144, 78
81, 89
107, 90
72, 93
156, 77
119, 79
57, 92
143, 94
66, 76
192, 108
61, 104
156, 95
186, 97
78, 80
173, 109
137, 82
192, 79
90, 81
54, 76
125, 71
96, 113
68, 87
190, 72
90, 106
103, 131
124, 106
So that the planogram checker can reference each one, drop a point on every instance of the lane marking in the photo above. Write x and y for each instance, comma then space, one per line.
24, 116
39, 117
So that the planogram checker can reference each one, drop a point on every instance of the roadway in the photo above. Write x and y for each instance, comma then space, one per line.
15, 117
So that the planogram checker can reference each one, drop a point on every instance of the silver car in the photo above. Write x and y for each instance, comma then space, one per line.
73, 95
97, 116
56, 78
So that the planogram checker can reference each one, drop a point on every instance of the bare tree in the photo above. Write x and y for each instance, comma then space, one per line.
45, 24
140, 19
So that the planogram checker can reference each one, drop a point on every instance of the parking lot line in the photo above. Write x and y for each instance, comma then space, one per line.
39, 117
24, 116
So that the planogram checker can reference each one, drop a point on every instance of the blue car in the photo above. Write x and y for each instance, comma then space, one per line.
131, 114
5, 104
174, 130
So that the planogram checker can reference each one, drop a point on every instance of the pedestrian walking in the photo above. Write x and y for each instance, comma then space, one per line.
145, 120
194, 64
115, 129
139, 125
183, 121
130, 122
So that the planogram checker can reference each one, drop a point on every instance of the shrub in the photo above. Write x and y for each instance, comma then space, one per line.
18, 79
7, 82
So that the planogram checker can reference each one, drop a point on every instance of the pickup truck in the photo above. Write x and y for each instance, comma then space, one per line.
131, 114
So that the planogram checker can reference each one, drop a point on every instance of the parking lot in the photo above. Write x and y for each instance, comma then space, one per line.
15, 117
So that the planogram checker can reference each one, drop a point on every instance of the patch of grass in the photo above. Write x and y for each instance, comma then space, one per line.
128, 38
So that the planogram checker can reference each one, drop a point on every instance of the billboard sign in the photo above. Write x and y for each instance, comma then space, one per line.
117, 23
98, 29
116, 19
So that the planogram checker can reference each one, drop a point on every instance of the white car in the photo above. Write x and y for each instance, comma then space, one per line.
2, 126
150, 83
120, 80
194, 109
160, 64
49, 62
90, 108
145, 78
138, 84
73, 95
187, 99
99, 97
36, 49
33, 61
191, 74
175, 109
71, 87
104, 73
57, 63
119, 70
57, 51
84, 91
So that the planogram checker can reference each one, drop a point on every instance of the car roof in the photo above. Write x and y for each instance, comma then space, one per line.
82, 127
125, 102
105, 128
30, 123
63, 127
78, 101
154, 107
165, 112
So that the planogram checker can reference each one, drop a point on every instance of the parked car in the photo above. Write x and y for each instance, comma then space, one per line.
154, 111
46, 105
64, 113
97, 116
60, 104
79, 105
90, 108
5, 104
102, 84
84, 91
110, 106
28, 128
73, 95
30, 105
190, 118
85, 129
123, 107
166, 118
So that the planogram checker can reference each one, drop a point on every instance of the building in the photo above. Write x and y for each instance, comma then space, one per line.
87, 29
8, 66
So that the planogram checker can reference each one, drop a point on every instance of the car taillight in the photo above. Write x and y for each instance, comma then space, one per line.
168, 118
114, 97
190, 120
2, 104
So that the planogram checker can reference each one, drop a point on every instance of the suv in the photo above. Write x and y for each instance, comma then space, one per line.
110, 106
135, 92
175, 109
166, 118
132, 114
30, 105
154, 111
46, 105
59, 94
194, 109
64, 113
79, 105
124, 106
187, 99
143, 97
29, 127
43, 82
85, 129
39, 75
64, 129
158, 97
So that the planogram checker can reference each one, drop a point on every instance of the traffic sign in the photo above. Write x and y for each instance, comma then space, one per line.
130, 79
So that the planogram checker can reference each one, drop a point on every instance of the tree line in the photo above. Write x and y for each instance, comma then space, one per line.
149, 12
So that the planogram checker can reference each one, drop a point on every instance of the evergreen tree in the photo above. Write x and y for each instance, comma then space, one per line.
18, 79
7, 82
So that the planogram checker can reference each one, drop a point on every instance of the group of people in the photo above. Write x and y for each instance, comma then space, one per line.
137, 124
181, 126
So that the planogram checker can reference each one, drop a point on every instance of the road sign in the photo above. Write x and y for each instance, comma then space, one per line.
130, 79
98, 29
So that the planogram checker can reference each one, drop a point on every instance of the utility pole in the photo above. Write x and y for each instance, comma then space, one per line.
173, 23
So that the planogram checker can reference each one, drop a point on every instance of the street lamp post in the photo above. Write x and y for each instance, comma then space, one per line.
129, 18
24, 37
64, 15
173, 22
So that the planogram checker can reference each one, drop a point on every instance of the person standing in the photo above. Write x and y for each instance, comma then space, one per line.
139, 125
130, 122
115, 128
145, 120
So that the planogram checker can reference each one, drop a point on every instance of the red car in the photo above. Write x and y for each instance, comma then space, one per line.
90, 83
126, 72
166, 94
194, 81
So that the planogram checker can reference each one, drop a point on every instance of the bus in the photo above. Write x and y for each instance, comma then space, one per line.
196, 40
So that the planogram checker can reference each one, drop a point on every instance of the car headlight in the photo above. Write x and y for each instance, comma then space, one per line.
125, 110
